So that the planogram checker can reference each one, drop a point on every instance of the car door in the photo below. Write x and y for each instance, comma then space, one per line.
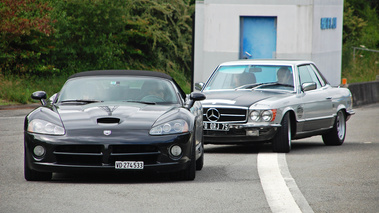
317, 104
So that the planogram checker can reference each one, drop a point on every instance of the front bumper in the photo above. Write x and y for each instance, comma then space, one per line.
75, 154
239, 133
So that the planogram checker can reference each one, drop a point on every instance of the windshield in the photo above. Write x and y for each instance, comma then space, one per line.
147, 90
251, 76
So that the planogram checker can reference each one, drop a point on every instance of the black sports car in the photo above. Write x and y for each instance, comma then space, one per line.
115, 120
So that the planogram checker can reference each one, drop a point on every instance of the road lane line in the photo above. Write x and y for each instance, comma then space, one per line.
291, 184
278, 195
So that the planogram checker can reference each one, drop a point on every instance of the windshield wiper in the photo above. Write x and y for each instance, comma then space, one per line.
272, 84
249, 86
142, 102
84, 101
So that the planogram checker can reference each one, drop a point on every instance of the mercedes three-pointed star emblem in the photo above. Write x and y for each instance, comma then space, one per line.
213, 114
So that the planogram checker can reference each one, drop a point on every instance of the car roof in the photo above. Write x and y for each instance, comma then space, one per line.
120, 73
267, 62
128, 73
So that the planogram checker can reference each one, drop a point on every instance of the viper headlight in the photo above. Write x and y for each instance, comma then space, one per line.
45, 127
172, 127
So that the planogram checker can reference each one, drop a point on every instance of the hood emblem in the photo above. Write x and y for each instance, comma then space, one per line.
108, 109
213, 114
107, 132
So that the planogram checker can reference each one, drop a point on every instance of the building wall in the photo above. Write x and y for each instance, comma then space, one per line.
299, 36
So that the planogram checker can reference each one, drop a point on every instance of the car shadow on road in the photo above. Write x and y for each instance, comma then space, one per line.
234, 149
297, 146
114, 178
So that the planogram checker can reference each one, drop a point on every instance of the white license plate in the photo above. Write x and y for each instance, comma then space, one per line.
129, 165
216, 126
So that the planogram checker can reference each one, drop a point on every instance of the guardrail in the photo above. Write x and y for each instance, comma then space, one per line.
364, 93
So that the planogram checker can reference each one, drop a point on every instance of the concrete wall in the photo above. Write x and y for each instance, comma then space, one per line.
299, 36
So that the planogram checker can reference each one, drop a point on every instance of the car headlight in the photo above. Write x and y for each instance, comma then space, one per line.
172, 127
45, 127
263, 115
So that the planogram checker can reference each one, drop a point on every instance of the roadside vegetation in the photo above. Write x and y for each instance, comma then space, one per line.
45, 41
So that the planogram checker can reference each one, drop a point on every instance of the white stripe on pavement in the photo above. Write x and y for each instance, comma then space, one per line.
277, 193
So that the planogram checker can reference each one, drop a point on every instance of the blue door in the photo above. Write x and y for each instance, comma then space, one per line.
258, 37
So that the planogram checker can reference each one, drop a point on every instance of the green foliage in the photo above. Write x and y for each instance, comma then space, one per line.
25, 34
361, 29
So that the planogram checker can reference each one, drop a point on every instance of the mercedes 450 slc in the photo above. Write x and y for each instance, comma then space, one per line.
273, 101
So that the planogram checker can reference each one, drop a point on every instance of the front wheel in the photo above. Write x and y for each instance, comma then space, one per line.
337, 135
282, 140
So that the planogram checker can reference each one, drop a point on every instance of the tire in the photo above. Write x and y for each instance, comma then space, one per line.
282, 140
336, 136
32, 175
200, 161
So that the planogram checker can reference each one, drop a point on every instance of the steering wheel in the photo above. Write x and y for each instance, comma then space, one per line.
152, 98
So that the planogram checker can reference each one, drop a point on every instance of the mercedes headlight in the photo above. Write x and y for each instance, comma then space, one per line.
263, 115
45, 127
172, 127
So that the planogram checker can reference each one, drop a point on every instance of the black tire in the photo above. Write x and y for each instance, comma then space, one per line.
32, 175
336, 136
200, 161
282, 140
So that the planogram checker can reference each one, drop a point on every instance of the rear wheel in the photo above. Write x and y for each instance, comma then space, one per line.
336, 136
282, 140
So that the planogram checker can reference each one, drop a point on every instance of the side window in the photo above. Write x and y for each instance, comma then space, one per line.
319, 75
307, 74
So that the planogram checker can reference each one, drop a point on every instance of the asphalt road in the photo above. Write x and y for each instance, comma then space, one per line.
311, 178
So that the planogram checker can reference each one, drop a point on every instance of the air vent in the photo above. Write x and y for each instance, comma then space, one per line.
108, 120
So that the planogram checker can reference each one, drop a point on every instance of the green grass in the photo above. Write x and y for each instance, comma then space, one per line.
15, 89
363, 68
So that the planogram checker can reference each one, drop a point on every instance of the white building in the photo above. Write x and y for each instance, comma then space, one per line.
227, 30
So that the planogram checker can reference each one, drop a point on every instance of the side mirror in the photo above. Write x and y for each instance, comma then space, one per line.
308, 86
41, 96
195, 96
199, 86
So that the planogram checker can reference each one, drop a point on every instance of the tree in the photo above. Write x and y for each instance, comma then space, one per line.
26, 36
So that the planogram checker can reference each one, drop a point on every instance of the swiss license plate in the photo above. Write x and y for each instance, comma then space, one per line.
129, 164
216, 126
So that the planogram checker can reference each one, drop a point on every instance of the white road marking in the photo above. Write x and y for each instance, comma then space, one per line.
271, 168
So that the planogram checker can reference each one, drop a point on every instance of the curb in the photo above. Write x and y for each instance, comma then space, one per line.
20, 106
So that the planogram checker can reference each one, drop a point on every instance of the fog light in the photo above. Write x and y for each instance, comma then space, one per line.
176, 151
39, 151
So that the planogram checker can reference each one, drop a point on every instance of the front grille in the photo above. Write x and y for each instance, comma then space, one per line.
227, 114
97, 155
79, 154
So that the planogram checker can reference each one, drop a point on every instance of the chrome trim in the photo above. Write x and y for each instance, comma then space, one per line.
224, 106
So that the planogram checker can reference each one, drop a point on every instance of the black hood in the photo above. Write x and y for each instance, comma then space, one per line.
99, 115
238, 97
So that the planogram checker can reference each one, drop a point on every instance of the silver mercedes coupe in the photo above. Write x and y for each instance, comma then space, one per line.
275, 101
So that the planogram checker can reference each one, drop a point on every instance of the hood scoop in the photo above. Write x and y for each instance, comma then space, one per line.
108, 120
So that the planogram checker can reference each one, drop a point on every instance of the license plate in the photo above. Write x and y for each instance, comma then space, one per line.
129, 165
216, 126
